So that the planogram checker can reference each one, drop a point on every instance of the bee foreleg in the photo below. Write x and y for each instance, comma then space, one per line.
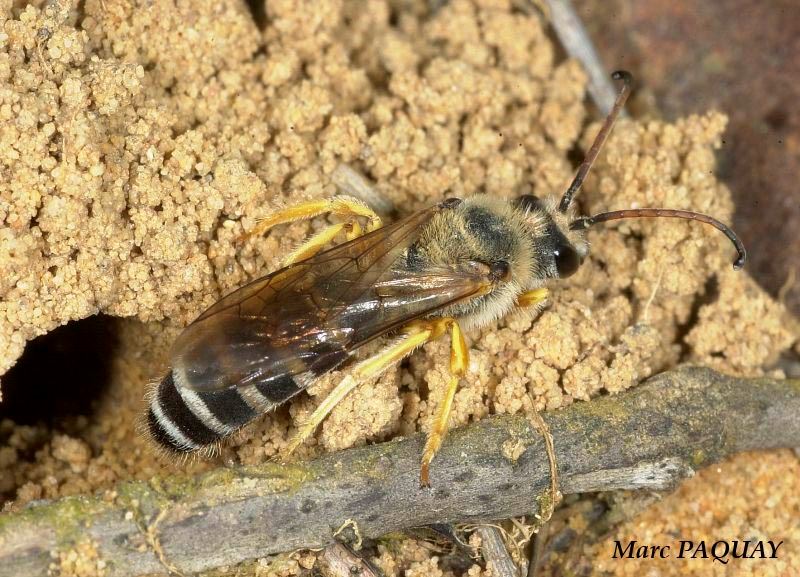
459, 360
532, 298
343, 206
366, 369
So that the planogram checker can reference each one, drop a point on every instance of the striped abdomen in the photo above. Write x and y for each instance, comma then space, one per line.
186, 420
227, 369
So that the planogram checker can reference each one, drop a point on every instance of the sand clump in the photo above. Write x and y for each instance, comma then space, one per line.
139, 142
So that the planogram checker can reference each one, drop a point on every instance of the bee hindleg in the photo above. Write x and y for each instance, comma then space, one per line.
459, 360
366, 369
346, 207
314, 244
532, 298
317, 242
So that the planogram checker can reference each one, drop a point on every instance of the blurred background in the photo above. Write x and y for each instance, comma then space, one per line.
743, 58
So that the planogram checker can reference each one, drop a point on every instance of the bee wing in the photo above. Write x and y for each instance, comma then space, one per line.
310, 316
327, 281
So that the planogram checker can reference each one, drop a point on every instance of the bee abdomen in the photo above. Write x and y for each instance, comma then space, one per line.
185, 420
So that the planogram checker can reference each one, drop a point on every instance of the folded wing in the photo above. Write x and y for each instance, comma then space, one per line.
312, 315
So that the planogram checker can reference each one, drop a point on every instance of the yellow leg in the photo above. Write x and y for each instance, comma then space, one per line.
343, 206
417, 333
532, 298
314, 244
366, 369
353, 230
459, 360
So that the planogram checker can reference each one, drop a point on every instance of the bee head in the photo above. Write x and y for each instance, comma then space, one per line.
558, 236
560, 249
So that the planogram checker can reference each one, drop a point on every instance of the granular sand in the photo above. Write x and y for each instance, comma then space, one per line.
138, 142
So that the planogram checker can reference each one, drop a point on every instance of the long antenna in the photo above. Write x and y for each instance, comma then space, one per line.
583, 170
587, 221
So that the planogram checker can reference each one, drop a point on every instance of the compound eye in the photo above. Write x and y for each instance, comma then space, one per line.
567, 260
528, 202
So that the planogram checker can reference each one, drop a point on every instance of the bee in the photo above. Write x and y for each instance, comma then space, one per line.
461, 263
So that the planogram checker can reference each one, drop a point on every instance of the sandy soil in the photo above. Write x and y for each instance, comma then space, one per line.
138, 142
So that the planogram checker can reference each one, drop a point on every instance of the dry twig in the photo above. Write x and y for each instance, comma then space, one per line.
577, 44
649, 437
495, 553
339, 560
353, 183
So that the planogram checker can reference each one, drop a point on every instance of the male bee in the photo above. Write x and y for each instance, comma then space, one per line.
459, 263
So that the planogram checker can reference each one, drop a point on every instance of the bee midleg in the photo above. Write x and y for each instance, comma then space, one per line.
366, 369
344, 206
459, 360
533, 297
